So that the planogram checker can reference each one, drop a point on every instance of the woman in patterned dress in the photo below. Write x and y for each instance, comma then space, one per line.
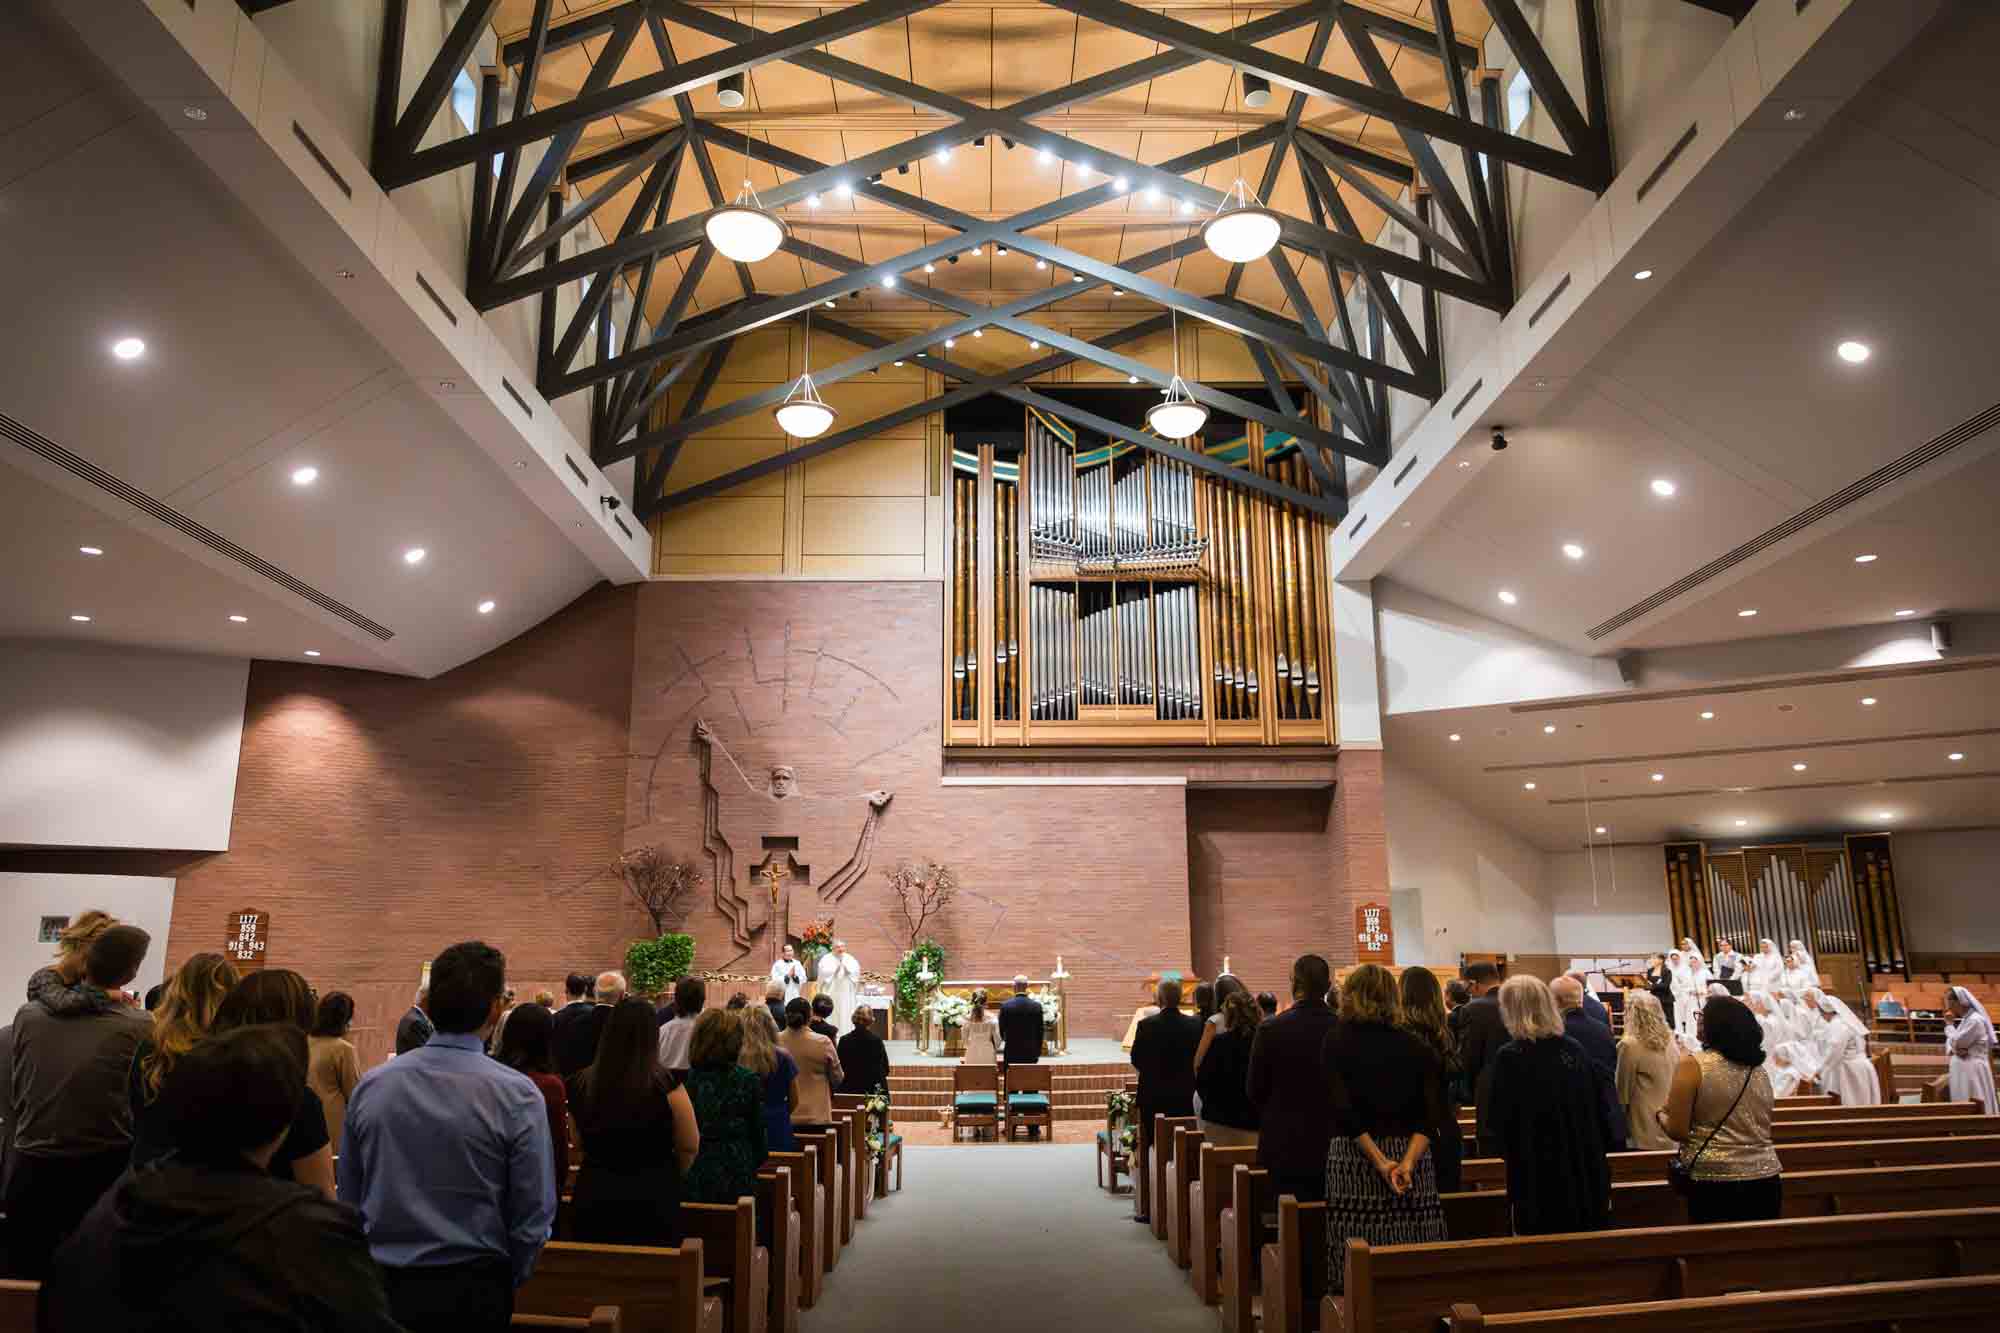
729, 1106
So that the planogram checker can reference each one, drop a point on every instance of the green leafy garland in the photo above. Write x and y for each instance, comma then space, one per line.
651, 966
910, 991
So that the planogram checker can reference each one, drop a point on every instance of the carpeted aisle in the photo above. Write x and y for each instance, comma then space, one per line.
999, 1237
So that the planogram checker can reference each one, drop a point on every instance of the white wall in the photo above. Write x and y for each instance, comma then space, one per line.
138, 900
1610, 900
1947, 884
117, 747
1436, 655
1480, 887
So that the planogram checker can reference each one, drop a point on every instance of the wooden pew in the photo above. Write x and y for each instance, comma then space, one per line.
1410, 1288
809, 1197
781, 1226
826, 1143
17, 1305
853, 1155
1181, 1167
1901, 1075
1242, 1236
1161, 1152
1884, 1111
1943, 1303
1207, 1197
728, 1236
1295, 1269
1490, 1173
656, 1290
1653, 1203
603, 1319
1899, 1127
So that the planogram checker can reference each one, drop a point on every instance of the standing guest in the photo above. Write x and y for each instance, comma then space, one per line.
576, 1044
774, 1004
1647, 1059
1545, 1112
1423, 1017
1226, 985
415, 1027
1021, 1026
1204, 1000
186, 1015
822, 1007
788, 978
737, 1002
1597, 1043
62, 987
864, 1057
280, 995
639, 1135
1767, 970
209, 1238
840, 981
528, 1045
1797, 955
577, 1008
981, 1034
1163, 1053
1222, 1075
1481, 1033
1386, 1090
780, 1076
1288, 1086
819, 1067
71, 1105
546, 999
1968, 1044
1728, 967
1660, 982
1592, 1007
447, 1156
1720, 1110
1267, 1003
1844, 1067
332, 1067
690, 998
728, 1103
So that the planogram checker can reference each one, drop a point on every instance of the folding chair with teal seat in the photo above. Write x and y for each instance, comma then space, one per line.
1030, 1104
975, 1100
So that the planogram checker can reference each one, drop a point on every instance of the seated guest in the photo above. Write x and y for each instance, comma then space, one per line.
819, 1066
446, 1154
332, 1067
1481, 1032
1423, 1017
1545, 1111
1267, 1003
1719, 1110
186, 1015
209, 1238
1386, 1089
1163, 1048
774, 1005
639, 1136
415, 1027
1021, 1027
527, 1045
728, 1103
690, 998
822, 1009
1593, 1008
1288, 1086
1595, 1038
864, 1057
279, 995
779, 1075
1647, 1059
1223, 1075
62, 987
71, 1105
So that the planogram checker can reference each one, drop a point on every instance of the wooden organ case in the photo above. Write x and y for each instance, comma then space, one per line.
1100, 594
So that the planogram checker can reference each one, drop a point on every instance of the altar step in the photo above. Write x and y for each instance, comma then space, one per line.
923, 1091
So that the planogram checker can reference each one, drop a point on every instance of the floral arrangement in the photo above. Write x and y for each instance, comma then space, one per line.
909, 990
876, 1108
1051, 1004
815, 942
950, 1010
1120, 1107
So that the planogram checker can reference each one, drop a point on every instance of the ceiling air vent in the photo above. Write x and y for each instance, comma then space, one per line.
1896, 469
36, 443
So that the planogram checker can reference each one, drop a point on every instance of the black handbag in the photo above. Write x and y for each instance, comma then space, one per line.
1680, 1175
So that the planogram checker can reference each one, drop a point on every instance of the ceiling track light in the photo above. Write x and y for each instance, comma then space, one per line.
744, 231
1242, 229
729, 91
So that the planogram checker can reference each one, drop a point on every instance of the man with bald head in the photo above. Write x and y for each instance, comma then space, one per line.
1598, 1045
1591, 1004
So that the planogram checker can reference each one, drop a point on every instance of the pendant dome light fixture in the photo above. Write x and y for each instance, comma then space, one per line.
1177, 415
804, 414
1242, 229
744, 230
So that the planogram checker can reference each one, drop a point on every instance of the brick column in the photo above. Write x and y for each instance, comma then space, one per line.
1360, 852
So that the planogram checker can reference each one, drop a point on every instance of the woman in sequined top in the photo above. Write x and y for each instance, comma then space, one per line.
1719, 1110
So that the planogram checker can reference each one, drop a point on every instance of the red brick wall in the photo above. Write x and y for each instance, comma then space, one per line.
1359, 863
1259, 871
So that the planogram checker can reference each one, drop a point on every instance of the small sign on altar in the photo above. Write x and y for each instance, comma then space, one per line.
1374, 937
246, 934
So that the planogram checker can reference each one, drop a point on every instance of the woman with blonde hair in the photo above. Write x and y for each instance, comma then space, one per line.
60, 987
1647, 1059
1386, 1090
1547, 1110
779, 1073
186, 1014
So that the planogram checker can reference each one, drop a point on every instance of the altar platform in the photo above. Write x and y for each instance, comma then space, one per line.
920, 1082
1082, 1050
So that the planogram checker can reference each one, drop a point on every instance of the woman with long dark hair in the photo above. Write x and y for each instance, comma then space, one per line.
1423, 1017
528, 1044
186, 1014
280, 995
1719, 1110
1222, 1074
332, 1068
639, 1136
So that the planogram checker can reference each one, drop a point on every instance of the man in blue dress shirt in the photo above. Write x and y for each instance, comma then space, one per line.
447, 1155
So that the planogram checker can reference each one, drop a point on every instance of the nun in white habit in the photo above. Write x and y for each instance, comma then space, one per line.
1798, 974
1843, 1056
1801, 957
1766, 970
1968, 1040
1686, 999
1777, 1056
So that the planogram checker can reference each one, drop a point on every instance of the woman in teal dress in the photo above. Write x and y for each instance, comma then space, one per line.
729, 1106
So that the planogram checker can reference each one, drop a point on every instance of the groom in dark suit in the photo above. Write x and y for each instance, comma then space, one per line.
1021, 1027
1163, 1052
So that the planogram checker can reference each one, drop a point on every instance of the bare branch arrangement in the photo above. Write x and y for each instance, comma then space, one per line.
923, 889
661, 884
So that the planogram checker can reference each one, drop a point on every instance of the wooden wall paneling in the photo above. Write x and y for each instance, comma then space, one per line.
891, 464
726, 525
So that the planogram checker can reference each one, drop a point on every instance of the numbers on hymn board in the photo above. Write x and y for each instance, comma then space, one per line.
245, 937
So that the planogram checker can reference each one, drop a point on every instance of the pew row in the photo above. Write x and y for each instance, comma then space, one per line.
809, 1198
1901, 1075
1944, 1303
728, 1236
1490, 1173
780, 1232
656, 1290
1242, 1236
1178, 1181
1208, 1198
1161, 1152
604, 1319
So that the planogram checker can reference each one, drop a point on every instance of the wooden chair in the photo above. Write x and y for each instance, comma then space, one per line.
1243, 1230
603, 1319
780, 1231
975, 1099
728, 1236
809, 1198
656, 1290
1162, 1154
1207, 1198
1181, 1169
1030, 1099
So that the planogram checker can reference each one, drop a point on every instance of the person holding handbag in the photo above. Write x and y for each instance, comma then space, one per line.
1720, 1110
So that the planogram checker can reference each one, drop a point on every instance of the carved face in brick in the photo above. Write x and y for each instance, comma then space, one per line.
783, 782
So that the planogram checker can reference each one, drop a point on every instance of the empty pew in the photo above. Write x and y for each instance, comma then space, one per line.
656, 1290
1911, 1075
1490, 1173
780, 1226
1242, 1237
1207, 1198
1883, 1127
1182, 1165
1161, 1154
809, 1197
1411, 1288
603, 1319
1884, 1111
17, 1305
1943, 1303
728, 1236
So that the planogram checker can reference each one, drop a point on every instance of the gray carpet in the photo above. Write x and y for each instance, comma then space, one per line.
1001, 1236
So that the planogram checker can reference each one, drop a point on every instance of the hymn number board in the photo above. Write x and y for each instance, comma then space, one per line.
1374, 937
244, 937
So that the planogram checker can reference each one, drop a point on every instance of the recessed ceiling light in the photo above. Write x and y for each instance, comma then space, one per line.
1909, 612
1455, 736
91, 550
1602, 829
194, 113
1464, 463
1742, 823
1131, 379
999, 249
1045, 157
1507, 597
1572, 550
312, 652
1187, 207
1868, 701
1794, 114
812, 201
1664, 488
930, 268
899, 363
1121, 185
304, 476
1854, 353
486, 607
1641, 275
1152, 194
240, 620
888, 280
1659, 777
950, 343
1527, 786
414, 556
1707, 716
844, 190
81, 620
1549, 729
1866, 559
128, 349
1798, 768
344, 274
1076, 277
1885, 814
1956, 755
1746, 613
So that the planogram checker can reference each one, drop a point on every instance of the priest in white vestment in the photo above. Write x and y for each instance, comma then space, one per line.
789, 974
840, 981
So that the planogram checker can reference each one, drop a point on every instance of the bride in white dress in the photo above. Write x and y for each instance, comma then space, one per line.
1968, 1040
1843, 1055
